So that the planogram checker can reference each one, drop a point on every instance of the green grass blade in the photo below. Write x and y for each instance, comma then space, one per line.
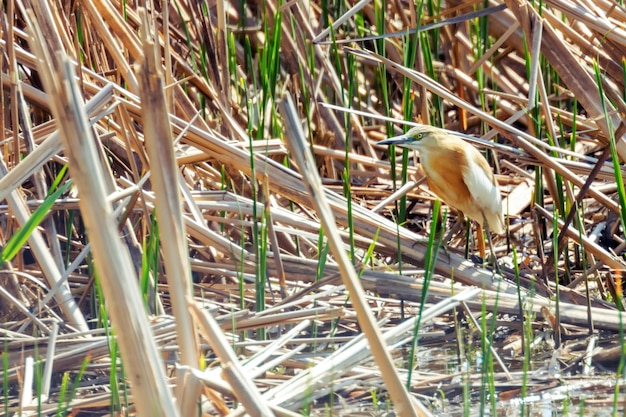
619, 180
19, 238
430, 260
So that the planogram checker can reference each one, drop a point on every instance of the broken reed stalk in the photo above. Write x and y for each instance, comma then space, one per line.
144, 366
405, 404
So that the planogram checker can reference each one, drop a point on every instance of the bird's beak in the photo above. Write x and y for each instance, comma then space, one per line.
396, 140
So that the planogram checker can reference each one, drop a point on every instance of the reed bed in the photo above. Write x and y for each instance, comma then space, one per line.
196, 218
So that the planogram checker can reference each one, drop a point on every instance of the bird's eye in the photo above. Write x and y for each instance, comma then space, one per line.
419, 136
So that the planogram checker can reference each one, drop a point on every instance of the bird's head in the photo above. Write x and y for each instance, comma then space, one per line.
416, 138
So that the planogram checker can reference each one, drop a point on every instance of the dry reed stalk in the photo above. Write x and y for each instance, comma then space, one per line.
165, 180
405, 405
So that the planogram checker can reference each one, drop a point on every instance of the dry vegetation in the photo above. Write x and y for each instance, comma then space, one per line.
186, 131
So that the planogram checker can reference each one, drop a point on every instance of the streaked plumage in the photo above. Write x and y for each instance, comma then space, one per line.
457, 173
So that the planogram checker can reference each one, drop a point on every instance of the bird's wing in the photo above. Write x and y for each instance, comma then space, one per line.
482, 185
443, 176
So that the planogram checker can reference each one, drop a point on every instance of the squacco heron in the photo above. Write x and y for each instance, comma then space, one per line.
457, 173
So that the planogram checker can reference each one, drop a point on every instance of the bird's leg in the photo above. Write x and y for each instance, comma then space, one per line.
491, 249
481, 241
458, 224
443, 243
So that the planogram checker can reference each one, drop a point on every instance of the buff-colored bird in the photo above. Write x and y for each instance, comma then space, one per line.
457, 173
